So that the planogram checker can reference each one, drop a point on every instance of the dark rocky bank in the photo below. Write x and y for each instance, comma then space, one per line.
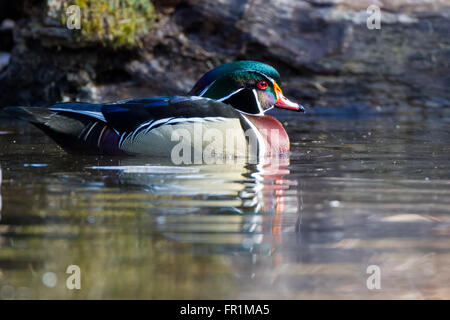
326, 54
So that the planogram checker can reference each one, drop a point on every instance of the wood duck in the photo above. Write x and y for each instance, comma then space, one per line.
230, 98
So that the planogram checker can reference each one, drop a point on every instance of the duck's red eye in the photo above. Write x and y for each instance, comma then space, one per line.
262, 85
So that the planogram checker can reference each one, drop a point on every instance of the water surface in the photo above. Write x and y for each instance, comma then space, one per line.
354, 192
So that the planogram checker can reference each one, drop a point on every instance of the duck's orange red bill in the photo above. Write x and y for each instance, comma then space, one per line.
285, 103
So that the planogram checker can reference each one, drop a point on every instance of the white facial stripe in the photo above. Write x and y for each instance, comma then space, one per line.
233, 93
206, 89
255, 93
273, 81
260, 109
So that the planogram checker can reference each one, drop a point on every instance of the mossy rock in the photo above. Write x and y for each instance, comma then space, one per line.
116, 23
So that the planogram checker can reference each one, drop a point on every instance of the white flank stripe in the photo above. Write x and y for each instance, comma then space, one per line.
89, 131
133, 134
261, 141
121, 139
205, 119
166, 121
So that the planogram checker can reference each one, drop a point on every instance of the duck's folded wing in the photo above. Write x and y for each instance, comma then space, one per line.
131, 114
154, 127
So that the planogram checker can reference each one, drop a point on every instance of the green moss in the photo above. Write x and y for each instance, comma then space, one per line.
116, 23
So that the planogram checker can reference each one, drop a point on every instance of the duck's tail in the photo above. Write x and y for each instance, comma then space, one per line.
74, 132
31, 114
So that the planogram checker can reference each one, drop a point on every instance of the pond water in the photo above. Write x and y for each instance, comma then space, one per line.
355, 192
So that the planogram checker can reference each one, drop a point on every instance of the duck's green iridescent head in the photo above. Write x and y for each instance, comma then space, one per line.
249, 86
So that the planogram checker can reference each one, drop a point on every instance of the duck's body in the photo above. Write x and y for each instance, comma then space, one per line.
222, 106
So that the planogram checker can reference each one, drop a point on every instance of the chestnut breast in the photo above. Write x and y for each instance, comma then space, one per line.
272, 133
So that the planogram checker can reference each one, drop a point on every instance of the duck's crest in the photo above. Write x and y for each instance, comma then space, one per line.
211, 76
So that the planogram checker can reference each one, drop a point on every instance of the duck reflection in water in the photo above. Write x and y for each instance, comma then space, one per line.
239, 208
